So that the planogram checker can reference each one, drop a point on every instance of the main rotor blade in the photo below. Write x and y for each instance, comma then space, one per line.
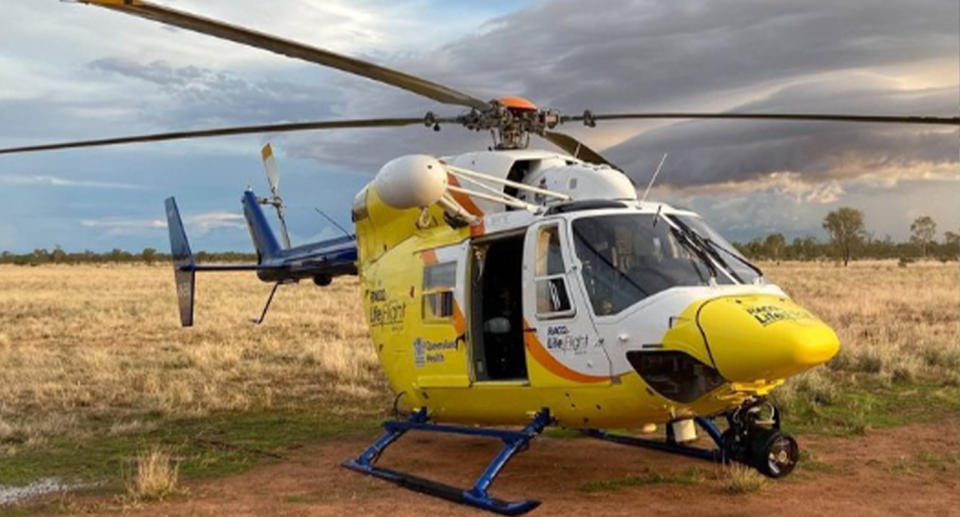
575, 148
823, 117
264, 41
224, 131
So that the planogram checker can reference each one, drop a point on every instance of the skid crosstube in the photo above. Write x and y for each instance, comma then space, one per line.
477, 495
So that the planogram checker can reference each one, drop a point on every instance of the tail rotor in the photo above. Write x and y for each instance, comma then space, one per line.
273, 178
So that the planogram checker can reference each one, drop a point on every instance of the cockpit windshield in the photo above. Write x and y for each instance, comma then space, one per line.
627, 257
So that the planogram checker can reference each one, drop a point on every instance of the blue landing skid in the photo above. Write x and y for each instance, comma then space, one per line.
477, 496
671, 445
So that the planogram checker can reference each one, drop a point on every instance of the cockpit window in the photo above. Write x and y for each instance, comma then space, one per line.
731, 258
627, 257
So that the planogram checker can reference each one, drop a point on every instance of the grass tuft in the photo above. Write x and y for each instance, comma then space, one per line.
155, 476
741, 479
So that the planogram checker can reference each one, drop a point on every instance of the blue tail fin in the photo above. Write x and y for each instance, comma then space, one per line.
263, 238
183, 265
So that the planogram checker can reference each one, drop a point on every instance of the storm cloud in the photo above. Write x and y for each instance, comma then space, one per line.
705, 152
814, 56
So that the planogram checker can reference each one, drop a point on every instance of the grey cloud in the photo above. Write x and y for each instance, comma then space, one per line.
649, 56
745, 216
713, 151
194, 95
57, 181
633, 53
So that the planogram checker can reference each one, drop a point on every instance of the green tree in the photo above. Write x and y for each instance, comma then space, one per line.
951, 245
39, 256
923, 230
804, 248
951, 239
58, 256
846, 229
774, 244
149, 255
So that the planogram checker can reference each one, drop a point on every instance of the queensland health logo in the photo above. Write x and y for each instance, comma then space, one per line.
426, 351
419, 353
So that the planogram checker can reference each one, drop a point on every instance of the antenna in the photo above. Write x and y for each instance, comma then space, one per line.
653, 178
274, 180
328, 218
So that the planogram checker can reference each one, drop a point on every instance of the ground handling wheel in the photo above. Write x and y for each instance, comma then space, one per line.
773, 453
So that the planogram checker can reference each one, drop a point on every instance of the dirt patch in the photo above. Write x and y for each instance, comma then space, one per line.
907, 471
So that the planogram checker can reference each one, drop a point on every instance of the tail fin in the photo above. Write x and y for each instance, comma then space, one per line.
263, 238
183, 263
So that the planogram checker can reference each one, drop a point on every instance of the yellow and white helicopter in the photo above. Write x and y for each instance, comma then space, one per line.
526, 287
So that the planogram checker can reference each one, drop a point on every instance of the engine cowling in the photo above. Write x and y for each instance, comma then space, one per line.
411, 181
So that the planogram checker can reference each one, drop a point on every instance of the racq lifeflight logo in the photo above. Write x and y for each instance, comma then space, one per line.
767, 314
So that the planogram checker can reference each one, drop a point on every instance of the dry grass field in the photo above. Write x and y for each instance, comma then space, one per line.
83, 344
95, 367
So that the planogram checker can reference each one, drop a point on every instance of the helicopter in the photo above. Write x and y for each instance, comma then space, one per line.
521, 287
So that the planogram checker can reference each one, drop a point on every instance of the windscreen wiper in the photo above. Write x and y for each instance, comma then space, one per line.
698, 248
710, 247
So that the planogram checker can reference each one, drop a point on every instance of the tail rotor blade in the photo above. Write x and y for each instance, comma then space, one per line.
271, 167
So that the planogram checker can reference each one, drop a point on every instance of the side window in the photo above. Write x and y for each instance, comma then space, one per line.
439, 281
549, 270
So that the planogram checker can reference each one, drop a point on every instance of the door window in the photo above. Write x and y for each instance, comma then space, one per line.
549, 275
439, 281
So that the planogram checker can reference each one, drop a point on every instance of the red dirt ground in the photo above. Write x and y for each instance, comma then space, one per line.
906, 471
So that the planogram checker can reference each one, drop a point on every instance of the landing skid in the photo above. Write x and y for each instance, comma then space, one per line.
748, 440
670, 444
477, 495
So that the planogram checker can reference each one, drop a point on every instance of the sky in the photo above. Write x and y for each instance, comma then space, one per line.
70, 71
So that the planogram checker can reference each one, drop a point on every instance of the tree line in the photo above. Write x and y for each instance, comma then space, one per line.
848, 240
42, 256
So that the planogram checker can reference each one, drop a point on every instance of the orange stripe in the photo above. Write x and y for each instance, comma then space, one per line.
462, 198
536, 349
459, 322
477, 229
429, 257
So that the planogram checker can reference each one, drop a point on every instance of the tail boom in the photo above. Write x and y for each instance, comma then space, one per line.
320, 261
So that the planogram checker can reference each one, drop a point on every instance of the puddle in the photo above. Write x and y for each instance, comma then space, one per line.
14, 494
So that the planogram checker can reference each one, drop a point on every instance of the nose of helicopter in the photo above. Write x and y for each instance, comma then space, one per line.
764, 337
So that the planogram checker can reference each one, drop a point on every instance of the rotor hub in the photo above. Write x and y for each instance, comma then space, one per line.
511, 120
